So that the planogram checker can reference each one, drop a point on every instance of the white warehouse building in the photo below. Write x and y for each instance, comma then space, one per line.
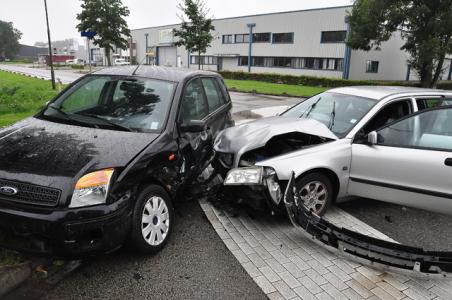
305, 42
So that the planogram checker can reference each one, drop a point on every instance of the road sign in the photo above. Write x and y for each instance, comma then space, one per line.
89, 34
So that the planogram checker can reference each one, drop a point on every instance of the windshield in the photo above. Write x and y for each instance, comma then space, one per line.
131, 104
338, 112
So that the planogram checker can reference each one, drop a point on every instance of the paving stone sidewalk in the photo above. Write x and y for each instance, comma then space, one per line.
286, 265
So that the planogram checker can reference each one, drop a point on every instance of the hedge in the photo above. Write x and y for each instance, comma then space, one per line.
318, 81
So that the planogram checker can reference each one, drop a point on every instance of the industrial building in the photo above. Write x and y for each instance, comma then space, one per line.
305, 42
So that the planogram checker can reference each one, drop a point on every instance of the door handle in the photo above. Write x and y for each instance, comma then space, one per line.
448, 162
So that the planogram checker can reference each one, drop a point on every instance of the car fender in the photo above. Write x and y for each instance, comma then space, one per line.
334, 156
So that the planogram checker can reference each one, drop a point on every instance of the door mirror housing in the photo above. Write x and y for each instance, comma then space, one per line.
193, 126
372, 138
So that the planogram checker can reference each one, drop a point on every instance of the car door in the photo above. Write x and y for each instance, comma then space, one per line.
218, 103
410, 164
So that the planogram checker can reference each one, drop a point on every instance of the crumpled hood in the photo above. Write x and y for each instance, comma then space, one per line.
243, 138
52, 154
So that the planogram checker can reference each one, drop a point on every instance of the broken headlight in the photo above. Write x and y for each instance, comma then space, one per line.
92, 189
274, 189
252, 175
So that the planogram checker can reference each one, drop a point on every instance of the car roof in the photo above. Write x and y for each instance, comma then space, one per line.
381, 92
154, 72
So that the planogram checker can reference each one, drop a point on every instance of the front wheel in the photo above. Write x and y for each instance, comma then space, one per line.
316, 192
153, 220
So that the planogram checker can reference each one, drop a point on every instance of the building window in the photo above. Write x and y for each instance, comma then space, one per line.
227, 39
309, 63
261, 37
242, 38
205, 60
282, 62
372, 66
283, 38
243, 61
333, 36
258, 61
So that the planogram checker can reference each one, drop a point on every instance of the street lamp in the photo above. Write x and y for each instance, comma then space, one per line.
250, 44
52, 73
147, 46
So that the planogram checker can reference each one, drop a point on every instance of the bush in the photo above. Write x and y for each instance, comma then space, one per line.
318, 81
78, 67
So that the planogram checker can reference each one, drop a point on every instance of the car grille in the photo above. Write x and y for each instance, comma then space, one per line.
31, 194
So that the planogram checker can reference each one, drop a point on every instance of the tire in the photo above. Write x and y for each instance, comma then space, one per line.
322, 193
150, 234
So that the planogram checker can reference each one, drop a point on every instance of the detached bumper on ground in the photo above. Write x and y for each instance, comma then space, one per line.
367, 250
69, 233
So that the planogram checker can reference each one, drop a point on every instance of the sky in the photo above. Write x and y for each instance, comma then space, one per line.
29, 16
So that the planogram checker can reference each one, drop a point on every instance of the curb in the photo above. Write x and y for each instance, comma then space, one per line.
12, 277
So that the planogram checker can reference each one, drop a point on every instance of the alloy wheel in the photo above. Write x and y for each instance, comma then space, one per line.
314, 195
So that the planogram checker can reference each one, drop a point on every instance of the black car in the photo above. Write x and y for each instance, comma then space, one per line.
104, 161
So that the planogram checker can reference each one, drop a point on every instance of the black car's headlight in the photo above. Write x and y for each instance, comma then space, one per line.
92, 189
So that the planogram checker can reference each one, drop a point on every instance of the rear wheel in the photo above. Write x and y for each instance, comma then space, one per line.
316, 192
152, 220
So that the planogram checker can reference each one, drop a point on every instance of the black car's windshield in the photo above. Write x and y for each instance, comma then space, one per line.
339, 112
127, 104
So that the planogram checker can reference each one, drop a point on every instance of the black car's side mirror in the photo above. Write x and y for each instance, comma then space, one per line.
193, 126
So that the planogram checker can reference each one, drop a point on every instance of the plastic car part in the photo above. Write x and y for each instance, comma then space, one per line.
364, 249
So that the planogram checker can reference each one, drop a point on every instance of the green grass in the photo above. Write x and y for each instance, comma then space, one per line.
22, 96
273, 88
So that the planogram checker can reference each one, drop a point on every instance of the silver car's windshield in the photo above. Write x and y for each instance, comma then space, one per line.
339, 112
113, 102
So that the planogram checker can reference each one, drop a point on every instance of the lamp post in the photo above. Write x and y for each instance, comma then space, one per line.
250, 44
147, 45
52, 73
348, 54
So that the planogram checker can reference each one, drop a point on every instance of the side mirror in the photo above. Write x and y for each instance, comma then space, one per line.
193, 126
372, 138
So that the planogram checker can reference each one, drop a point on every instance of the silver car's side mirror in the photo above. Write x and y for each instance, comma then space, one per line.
372, 138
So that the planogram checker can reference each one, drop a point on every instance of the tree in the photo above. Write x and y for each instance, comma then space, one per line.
195, 35
9, 40
106, 18
425, 26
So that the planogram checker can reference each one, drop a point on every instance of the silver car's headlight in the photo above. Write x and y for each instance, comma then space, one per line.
92, 189
251, 175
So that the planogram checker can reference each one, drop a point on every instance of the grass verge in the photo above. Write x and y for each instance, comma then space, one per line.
260, 87
21, 96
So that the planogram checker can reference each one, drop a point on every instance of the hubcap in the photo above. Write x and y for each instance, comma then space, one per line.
155, 221
314, 195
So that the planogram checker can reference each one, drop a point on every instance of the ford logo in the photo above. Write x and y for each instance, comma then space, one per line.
8, 191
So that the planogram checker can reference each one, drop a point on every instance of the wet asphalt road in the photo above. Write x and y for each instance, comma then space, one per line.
409, 226
65, 76
194, 265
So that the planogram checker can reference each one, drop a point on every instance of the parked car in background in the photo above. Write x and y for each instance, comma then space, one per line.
104, 162
392, 144
121, 62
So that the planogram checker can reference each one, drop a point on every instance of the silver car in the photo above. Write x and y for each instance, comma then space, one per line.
391, 144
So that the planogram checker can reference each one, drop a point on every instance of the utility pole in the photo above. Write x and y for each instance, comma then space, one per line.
52, 73
250, 44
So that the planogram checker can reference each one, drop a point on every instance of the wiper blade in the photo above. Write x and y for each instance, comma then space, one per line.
311, 108
68, 116
333, 116
113, 124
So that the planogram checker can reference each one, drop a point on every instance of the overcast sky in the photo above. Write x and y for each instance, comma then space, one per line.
29, 17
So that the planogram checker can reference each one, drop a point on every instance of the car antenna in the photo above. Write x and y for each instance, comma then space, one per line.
140, 64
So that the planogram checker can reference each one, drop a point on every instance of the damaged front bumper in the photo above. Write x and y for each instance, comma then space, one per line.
65, 233
364, 249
